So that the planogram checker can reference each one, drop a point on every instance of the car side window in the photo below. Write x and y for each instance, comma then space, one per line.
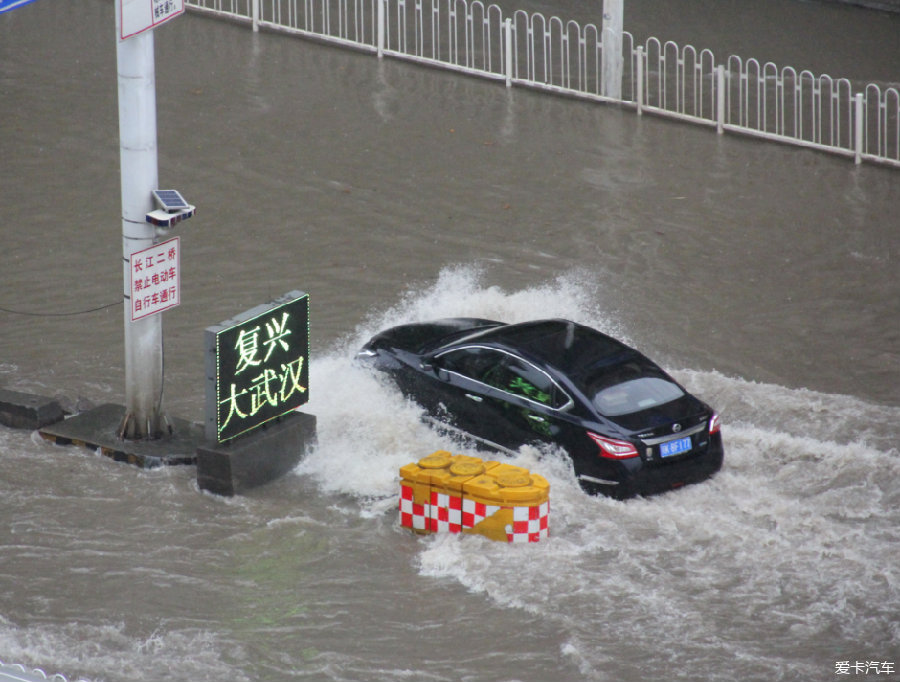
523, 379
474, 363
504, 372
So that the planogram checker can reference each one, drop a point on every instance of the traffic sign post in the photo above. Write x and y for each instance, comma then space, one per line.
135, 20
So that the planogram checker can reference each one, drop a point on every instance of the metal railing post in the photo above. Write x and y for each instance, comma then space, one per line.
255, 12
720, 99
640, 80
611, 59
509, 52
380, 21
858, 141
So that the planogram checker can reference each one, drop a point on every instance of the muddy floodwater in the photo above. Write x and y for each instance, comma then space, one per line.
765, 277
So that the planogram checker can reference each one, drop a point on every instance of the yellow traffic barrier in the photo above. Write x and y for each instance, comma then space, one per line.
458, 493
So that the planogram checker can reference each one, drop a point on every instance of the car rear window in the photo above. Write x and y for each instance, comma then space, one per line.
630, 386
636, 395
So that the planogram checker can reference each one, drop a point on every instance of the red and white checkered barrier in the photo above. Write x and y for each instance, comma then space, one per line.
530, 524
413, 515
458, 494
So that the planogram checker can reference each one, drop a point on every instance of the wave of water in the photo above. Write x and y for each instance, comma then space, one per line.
777, 568
177, 655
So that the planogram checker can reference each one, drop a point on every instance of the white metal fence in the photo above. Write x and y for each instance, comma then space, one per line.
528, 49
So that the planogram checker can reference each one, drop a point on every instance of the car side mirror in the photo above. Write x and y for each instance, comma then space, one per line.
430, 366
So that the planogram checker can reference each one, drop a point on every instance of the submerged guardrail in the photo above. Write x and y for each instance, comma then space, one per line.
552, 54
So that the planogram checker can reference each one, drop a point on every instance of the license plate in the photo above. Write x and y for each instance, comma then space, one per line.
675, 447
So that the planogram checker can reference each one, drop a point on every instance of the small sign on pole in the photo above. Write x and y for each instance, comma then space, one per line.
155, 279
140, 15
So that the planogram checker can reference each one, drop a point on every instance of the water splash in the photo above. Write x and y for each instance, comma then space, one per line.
784, 555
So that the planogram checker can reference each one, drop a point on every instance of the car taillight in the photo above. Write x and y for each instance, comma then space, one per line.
715, 424
612, 448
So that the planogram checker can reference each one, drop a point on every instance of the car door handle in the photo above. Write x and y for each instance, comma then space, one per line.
476, 398
536, 418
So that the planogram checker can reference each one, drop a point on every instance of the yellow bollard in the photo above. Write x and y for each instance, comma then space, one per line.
459, 493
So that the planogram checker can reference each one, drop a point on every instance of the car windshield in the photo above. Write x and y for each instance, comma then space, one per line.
631, 387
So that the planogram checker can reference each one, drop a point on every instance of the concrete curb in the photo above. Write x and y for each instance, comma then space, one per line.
26, 411
222, 468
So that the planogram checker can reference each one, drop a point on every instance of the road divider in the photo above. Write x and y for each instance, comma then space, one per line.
462, 494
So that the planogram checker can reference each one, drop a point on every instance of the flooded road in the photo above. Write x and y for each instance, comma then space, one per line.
765, 277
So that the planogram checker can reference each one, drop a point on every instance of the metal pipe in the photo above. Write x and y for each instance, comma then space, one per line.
509, 52
858, 137
380, 19
640, 81
720, 99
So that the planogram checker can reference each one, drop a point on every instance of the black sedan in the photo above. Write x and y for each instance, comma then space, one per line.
629, 428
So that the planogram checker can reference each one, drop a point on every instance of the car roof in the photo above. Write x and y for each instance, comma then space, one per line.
568, 346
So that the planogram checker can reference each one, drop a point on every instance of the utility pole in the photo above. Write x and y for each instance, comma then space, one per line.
139, 177
611, 75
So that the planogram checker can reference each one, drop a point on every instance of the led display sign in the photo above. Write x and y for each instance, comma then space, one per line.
257, 366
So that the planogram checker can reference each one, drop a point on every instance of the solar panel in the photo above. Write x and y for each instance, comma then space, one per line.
170, 200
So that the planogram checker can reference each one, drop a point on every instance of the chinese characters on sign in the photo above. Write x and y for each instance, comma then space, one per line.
155, 279
864, 668
140, 15
261, 366
163, 9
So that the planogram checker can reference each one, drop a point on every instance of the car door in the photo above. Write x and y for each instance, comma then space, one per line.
529, 399
469, 402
